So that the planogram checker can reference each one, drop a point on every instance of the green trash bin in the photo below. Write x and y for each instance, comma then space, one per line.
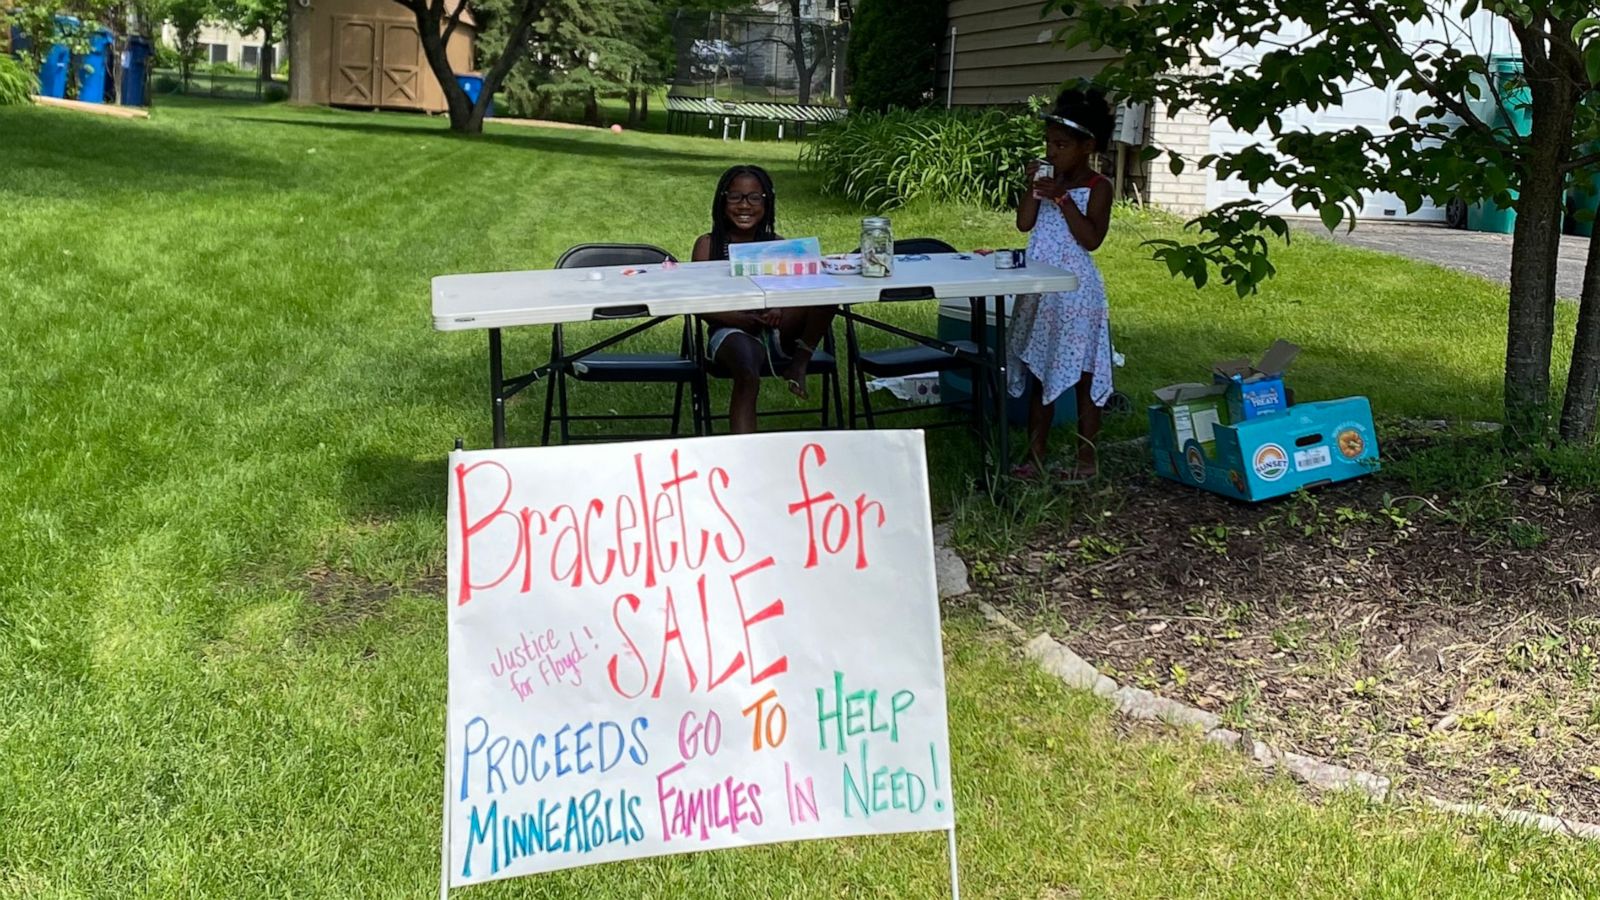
1515, 115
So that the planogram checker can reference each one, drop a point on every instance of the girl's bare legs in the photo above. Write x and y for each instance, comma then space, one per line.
742, 355
1088, 428
1040, 415
802, 330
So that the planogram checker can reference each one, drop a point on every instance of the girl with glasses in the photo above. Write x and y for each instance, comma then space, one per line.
744, 210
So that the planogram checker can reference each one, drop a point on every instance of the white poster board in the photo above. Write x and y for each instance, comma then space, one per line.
675, 646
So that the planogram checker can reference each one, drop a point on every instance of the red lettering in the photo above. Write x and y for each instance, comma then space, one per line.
469, 528
624, 502
676, 486
770, 611
656, 518
574, 575
649, 533
527, 532
862, 505
633, 649
595, 508
738, 658
807, 502
674, 632
722, 549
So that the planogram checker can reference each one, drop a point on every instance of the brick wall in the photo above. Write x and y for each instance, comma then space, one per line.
1187, 133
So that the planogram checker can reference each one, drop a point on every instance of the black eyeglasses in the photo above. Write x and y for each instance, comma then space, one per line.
754, 198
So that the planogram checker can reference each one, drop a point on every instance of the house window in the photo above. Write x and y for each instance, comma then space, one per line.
219, 53
250, 58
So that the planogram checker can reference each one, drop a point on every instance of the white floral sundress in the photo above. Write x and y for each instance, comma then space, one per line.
1058, 337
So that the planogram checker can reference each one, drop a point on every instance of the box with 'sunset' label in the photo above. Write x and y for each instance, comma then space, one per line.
1306, 446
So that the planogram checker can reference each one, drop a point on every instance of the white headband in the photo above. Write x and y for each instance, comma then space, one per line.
1068, 123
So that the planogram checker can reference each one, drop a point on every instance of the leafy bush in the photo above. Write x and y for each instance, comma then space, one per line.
894, 51
166, 56
222, 68
882, 160
275, 93
17, 84
168, 84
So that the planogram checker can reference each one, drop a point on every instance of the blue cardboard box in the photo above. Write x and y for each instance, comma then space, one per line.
1256, 388
1253, 399
1305, 446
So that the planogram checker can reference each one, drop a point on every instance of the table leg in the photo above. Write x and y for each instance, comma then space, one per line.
1002, 391
496, 389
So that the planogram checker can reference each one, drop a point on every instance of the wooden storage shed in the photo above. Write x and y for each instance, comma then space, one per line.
368, 54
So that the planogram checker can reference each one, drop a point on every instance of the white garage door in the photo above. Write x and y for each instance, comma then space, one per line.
1363, 105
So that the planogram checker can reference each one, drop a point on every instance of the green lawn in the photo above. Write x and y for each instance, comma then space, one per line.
221, 643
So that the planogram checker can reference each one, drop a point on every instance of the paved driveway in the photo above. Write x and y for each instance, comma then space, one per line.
1485, 255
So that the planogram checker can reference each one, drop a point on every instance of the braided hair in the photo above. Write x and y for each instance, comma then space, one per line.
765, 231
1086, 112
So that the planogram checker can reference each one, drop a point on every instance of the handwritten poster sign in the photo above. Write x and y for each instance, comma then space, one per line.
677, 646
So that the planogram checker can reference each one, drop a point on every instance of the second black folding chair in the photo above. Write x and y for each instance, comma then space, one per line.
680, 370
911, 359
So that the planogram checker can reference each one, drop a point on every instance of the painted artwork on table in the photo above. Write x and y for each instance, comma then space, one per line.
796, 256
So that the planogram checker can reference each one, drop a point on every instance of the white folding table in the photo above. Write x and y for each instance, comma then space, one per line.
497, 300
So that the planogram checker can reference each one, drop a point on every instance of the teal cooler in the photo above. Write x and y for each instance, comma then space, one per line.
955, 324
1307, 446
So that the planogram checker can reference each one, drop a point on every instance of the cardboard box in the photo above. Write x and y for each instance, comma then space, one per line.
1255, 389
1193, 412
1306, 446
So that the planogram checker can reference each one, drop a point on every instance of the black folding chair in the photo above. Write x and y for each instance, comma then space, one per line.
913, 359
824, 364
680, 369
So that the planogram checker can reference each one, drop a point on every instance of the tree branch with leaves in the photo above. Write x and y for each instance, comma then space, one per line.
1173, 53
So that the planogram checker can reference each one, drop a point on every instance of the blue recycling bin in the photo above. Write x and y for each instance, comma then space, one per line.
94, 67
473, 85
136, 72
53, 71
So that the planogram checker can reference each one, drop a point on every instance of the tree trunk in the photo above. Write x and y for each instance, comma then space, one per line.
1535, 247
1583, 382
264, 60
644, 105
801, 73
591, 108
633, 106
466, 117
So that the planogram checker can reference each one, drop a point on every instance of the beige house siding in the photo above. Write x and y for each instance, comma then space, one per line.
1005, 52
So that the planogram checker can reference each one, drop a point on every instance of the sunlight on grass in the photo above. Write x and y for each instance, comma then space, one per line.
221, 659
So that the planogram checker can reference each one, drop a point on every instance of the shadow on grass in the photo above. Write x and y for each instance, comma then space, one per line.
599, 145
56, 155
380, 485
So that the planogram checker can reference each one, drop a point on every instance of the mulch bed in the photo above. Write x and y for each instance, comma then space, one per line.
1449, 643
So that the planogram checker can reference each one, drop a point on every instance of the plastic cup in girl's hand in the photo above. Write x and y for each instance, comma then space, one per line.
1044, 171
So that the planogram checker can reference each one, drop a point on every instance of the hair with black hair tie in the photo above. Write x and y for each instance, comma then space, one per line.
1085, 112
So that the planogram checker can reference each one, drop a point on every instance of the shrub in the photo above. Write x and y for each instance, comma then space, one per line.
166, 56
167, 84
894, 51
17, 84
275, 93
882, 160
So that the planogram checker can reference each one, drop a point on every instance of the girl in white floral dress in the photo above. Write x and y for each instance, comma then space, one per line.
1062, 341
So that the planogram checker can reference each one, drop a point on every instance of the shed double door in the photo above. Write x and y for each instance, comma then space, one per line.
376, 63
